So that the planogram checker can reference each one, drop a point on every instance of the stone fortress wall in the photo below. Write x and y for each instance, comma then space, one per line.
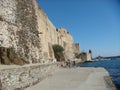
27, 36
27, 30
51, 35
21, 77
47, 34
19, 29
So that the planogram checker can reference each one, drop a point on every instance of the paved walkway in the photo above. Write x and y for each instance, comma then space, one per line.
76, 79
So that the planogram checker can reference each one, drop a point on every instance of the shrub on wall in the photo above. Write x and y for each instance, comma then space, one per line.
58, 48
58, 51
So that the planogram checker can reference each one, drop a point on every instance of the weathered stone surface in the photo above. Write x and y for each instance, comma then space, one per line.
27, 29
50, 35
76, 48
19, 29
60, 56
66, 40
28, 32
22, 77
8, 56
8, 10
84, 56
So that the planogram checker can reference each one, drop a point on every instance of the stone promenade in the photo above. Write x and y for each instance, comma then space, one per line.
76, 79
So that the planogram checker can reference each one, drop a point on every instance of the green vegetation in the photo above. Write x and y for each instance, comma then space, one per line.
58, 51
58, 48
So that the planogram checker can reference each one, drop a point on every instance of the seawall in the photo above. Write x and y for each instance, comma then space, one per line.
20, 77
77, 79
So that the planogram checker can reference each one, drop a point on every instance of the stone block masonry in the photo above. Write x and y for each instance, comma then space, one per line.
26, 29
19, 78
19, 29
28, 33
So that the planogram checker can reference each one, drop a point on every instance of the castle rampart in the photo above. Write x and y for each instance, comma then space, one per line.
27, 30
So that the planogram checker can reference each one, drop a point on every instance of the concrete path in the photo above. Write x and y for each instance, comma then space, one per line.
76, 79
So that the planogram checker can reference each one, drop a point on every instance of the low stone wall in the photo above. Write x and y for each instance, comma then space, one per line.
18, 78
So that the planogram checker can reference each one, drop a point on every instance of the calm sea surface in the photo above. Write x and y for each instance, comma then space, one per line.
112, 66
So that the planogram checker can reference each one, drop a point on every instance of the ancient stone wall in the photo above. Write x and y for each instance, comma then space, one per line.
18, 78
47, 34
85, 56
66, 40
26, 29
8, 10
7, 21
50, 36
76, 48
19, 29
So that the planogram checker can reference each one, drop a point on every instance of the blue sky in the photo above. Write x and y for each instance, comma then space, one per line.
95, 24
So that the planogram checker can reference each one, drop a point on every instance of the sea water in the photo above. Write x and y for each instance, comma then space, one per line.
112, 66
